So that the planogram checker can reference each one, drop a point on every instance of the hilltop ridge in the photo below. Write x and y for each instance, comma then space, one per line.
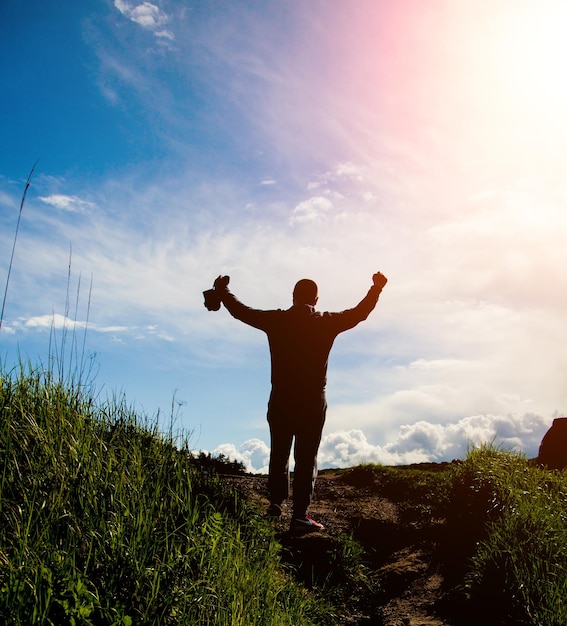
392, 551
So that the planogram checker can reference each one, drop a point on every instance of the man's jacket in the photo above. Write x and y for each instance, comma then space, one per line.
300, 340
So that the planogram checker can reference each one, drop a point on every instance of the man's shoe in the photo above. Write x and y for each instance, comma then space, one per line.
305, 525
274, 510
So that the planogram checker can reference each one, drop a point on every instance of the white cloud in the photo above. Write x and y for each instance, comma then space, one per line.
57, 321
310, 210
147, 15
73, 204
444, 442
253, 454
110, 329
416, 443
348, 448
349, 170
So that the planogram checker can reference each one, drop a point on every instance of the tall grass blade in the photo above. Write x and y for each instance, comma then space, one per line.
28, 183
82, 363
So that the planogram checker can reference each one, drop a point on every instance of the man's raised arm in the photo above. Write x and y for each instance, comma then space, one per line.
351, 317
367, 304
220, 293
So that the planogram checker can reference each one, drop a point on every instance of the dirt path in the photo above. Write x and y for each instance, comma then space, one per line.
407, 573
401, 556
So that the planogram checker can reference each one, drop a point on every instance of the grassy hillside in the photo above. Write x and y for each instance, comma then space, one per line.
106, 521
521, 561
496, 524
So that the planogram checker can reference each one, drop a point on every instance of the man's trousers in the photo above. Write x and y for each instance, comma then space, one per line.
303, 421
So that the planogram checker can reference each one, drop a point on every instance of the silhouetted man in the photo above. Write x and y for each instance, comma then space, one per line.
300, 340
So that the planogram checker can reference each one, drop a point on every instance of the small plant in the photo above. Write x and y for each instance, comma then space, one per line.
350, 579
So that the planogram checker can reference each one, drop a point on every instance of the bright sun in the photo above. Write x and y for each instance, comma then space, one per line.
529, 52
511, 59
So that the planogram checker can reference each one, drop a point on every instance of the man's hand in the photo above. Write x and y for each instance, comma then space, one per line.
213, 296
379, 280
221, 283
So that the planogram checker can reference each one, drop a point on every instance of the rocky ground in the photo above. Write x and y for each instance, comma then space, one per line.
403, 566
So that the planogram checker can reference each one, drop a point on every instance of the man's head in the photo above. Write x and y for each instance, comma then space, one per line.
305, 292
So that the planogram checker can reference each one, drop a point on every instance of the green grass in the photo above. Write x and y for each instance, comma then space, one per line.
103, 520
522, 561
421, 492
503, 543
106, 521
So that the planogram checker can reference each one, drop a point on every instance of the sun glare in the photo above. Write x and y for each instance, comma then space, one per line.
530, 53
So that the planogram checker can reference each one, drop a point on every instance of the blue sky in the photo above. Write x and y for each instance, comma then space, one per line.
272, 141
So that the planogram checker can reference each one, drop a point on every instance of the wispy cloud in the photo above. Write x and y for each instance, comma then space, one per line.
310, 210
57, 321
74, 204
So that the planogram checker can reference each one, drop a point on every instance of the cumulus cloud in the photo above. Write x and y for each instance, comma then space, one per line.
254, 454
443, 442
416, 443
146, 15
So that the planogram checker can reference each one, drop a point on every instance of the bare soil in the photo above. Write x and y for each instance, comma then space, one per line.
411, 565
